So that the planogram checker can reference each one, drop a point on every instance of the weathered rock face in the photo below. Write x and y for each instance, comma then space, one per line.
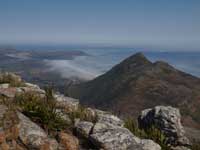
105, 117
8, 92
17, 126
9, 130
31, 85
180, 148
32, 135
10, 76
84, 128
31, 89
104, 131
168, 120
68, 142
67, 103
4, 86
111, 137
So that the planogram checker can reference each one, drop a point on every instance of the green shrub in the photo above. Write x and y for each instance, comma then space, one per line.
83, 115
133, 127
195, 146
156, 135
11, 79
41, 110
152, 133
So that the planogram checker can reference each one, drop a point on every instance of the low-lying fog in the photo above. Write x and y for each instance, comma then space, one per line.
100, 61
87, 64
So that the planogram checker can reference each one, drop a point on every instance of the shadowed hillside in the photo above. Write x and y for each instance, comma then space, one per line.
136, 84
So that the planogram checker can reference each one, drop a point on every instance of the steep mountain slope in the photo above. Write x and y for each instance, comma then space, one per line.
136, 84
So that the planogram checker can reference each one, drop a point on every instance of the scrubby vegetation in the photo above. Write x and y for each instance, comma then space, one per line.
195, 146
152, 133
41, 110
11, 79
44, 112
83, 114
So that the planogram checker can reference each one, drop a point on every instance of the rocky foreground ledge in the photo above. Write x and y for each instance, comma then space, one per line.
90, 129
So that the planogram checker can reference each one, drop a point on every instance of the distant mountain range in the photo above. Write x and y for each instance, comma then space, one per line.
32, 66
137, 83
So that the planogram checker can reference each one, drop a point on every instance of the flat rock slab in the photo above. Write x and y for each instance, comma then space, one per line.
111, 137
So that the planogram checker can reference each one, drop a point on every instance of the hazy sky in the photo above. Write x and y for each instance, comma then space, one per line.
165, 23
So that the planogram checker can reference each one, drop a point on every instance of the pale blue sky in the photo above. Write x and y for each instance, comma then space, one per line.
161, 23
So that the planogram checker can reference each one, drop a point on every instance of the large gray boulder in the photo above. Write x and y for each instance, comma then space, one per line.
168, 120
32, 135
9, 92
109, 133
4, 85
9, 76
110, 137
21, 130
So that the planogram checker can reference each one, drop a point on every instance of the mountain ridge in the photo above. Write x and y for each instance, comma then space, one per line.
137, 83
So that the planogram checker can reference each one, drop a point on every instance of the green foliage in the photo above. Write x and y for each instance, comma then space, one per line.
195, 146
9, 78
152, 133
83, 115
133, 127
156, 135
41, 110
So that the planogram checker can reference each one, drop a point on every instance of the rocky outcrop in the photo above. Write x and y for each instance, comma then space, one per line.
106, 117
8, 92
84, 128
168, 120
101, 129
108, 133
68, 142
34, 136
9, 130
66, 103
111, 137
17, 126
7, 77
31, 89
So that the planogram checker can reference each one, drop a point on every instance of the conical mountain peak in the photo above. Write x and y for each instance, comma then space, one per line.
137, 59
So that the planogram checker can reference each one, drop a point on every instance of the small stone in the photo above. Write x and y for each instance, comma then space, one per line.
4, 86
4, 146
2, 137
68, 141
83, 128
32, 135
50, 144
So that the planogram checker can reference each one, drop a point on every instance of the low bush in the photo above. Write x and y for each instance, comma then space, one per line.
11, 79
195, 146
41, 110
152, 133
83, 115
